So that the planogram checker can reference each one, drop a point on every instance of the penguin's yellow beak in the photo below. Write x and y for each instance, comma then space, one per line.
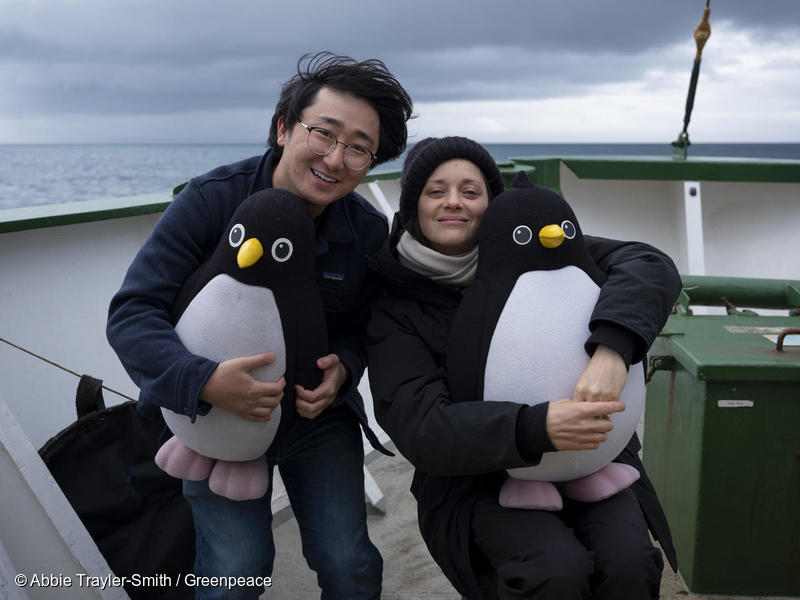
249, 253
551, 236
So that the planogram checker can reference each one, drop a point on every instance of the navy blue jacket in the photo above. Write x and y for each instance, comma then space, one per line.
139, 328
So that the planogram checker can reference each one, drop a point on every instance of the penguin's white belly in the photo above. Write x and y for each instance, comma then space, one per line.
537, 355
228, 319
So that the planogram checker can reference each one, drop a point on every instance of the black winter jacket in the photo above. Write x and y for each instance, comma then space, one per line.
460, 449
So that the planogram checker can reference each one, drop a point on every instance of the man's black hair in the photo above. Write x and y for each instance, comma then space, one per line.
367, 80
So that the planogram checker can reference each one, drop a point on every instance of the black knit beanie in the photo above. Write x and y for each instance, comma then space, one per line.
428, 154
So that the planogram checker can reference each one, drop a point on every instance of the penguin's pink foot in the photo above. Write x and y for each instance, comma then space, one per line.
602, 484
178, 460
245, 480
535, 495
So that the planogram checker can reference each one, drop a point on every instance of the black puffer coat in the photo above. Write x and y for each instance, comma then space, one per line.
461, 449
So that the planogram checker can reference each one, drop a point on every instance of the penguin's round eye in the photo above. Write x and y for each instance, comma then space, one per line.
569, 229
523, 235
282, 250
236, 236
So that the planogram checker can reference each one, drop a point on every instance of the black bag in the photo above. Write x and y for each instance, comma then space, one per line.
135, 513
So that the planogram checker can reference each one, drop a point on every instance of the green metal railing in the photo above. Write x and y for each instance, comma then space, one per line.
543, 170
730, 292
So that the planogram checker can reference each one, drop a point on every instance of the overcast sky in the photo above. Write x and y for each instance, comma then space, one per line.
501, 71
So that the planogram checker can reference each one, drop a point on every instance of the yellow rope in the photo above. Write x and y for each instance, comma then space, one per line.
702, 32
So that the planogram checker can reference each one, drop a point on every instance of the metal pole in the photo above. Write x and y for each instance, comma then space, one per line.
701, 34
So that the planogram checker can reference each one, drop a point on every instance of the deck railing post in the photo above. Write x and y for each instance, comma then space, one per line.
693, 215
380, 198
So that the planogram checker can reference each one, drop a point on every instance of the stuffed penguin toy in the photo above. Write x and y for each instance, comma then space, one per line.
519, 336
255, 294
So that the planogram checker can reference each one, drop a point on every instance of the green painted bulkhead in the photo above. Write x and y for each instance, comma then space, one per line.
722, 443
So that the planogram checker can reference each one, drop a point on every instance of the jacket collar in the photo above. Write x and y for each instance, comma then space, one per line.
335, 225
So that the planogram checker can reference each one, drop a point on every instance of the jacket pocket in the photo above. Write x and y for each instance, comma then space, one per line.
340, 298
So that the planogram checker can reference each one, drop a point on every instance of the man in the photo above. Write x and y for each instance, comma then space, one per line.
334, 119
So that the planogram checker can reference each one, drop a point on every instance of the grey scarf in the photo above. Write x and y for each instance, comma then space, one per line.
452, 270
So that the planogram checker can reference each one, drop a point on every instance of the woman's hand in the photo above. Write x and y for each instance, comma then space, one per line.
575, 425
603, 379
582, 423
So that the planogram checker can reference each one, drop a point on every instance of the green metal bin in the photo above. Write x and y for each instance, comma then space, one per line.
722, 436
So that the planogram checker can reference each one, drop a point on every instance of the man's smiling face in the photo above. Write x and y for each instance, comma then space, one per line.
320, 180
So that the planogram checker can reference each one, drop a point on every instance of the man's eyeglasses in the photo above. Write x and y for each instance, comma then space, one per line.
322, 142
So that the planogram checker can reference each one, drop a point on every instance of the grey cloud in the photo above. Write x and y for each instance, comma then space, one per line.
155, 57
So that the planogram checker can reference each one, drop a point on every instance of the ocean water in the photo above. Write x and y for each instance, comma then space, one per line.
33, 175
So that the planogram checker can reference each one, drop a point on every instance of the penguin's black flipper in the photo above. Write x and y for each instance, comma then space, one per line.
466, 360
190, 289
306, 334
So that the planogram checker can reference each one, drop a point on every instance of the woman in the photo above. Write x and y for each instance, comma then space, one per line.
460, 450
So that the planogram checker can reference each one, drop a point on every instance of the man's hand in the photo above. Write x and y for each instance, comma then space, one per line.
580, 425
232, 388
310, 403
603, 379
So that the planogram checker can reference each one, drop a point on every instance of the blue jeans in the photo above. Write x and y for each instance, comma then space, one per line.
321, 464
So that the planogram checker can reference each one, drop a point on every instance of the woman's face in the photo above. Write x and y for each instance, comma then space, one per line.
451, 206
